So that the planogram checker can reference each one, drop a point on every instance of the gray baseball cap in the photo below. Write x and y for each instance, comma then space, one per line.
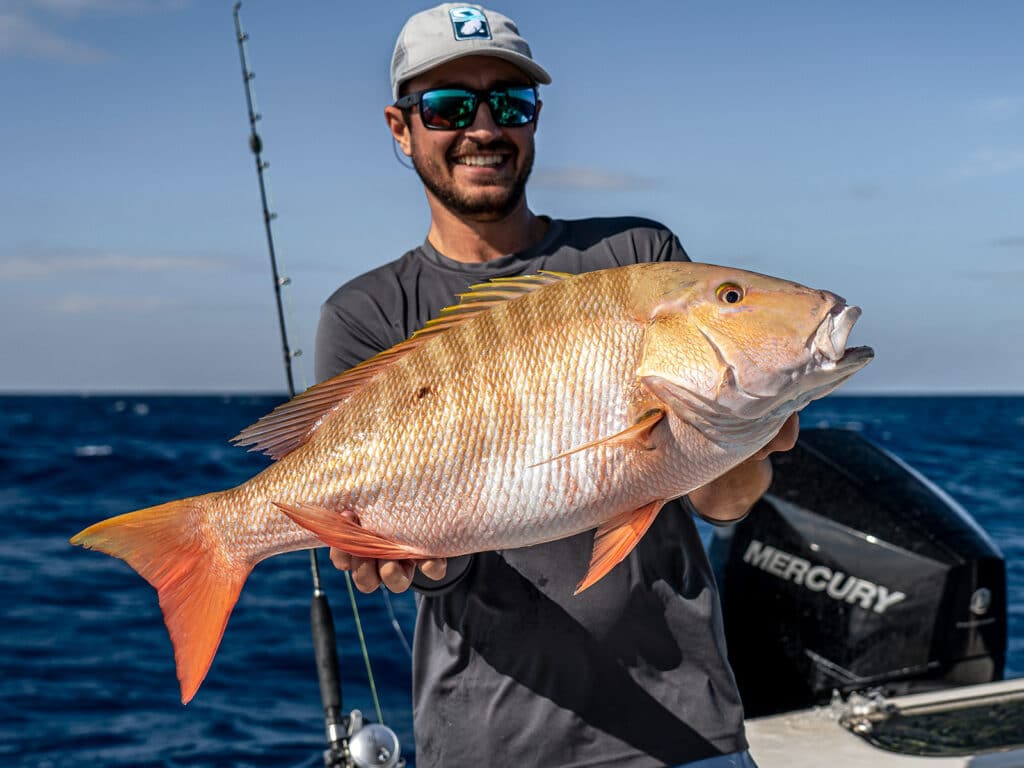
453, 30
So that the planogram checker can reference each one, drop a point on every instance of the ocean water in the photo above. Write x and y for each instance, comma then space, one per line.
87, 674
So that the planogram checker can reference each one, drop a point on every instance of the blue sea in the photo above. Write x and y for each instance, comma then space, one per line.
87, 675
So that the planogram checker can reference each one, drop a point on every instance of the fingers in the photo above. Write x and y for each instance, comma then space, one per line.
434, 569
783, 440
364, 570
368, 573
396, 574
789, 433
365, 574
342, 560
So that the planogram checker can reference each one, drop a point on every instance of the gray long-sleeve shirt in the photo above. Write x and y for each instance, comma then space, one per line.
508, 667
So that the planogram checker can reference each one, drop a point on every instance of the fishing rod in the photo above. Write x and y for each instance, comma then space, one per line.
352, 743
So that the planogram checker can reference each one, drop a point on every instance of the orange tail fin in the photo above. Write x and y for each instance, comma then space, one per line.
197, 582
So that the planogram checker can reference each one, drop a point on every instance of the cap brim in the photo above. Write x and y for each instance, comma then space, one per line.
536, 72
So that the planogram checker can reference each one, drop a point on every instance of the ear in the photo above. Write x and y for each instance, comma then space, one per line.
399, 129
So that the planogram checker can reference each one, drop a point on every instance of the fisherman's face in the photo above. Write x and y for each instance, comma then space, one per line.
478, 172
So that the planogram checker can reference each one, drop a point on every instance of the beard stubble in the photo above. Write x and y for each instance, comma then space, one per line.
487, 207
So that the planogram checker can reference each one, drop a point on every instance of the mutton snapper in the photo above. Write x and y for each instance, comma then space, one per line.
537, 408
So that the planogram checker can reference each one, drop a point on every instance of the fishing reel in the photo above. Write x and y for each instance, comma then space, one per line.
354, 743
364, 745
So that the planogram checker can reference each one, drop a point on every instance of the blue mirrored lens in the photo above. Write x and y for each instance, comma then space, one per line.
513, 106
448, 109
455, 108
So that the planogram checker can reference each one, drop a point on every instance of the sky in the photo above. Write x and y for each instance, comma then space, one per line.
873, 149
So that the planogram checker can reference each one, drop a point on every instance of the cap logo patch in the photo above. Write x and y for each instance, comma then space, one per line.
469, 24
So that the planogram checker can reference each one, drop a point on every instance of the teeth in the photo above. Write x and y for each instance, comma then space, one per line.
479, 160
830, 340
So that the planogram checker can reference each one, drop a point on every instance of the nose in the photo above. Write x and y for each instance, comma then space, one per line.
483, 129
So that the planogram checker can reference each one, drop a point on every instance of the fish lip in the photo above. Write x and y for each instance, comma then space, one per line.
833, 375
856, 356
830, 362
829, 341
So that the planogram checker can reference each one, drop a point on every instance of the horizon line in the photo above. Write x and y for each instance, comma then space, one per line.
283, 393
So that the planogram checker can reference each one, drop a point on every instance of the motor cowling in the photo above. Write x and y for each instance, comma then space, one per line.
854, 572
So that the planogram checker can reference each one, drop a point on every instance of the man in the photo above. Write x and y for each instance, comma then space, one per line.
508, 667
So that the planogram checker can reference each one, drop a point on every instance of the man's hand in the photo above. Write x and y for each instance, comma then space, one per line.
732, 495
396, 575
369, 573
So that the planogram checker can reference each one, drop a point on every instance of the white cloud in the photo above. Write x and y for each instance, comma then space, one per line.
1000, 106
21, 36
79, 304
46, 265
996, 275
27, 27
74, 8
992, 161
576, 178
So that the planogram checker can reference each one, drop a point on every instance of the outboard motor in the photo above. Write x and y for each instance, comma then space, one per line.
856, 572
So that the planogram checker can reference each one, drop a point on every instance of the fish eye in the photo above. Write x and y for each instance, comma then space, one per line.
730, 293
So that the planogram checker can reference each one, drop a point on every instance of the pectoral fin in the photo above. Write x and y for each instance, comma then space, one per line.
637, 435
616, 539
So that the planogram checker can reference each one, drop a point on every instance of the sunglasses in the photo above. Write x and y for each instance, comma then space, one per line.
451, 109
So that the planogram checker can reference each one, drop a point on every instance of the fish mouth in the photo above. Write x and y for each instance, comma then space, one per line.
829, 364
828, 345
822, 366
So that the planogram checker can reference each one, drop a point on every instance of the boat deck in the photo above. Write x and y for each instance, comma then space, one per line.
813, 738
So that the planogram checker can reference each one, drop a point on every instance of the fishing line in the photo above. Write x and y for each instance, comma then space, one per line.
394, 622
398, 157
362, 644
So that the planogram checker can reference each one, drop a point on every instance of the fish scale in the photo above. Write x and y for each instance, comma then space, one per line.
537, 408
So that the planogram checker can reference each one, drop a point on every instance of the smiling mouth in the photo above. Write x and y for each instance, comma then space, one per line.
481, 160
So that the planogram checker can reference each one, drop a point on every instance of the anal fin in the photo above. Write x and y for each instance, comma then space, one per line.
337, 530
616, 539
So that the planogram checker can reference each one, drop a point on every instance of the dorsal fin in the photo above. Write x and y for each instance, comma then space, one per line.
291, 424
483, 296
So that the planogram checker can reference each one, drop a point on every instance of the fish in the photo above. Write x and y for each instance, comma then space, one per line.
536, 408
